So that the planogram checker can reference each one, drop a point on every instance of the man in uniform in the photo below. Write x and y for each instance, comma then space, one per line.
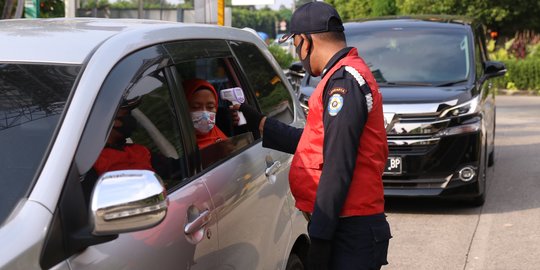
339, 157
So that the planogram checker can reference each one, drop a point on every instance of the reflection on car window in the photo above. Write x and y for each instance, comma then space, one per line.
225, 148
145, 133
414, 55
273, 97
32, 98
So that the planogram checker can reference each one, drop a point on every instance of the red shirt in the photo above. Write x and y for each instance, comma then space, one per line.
131, 157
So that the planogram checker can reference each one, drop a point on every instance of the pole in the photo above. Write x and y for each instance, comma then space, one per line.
221, 12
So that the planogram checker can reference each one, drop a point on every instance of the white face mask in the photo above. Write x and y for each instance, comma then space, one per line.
203, 121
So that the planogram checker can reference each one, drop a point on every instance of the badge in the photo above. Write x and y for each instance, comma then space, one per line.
338, 90
335, 104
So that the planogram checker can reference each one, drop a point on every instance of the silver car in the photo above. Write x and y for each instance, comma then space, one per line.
62, 81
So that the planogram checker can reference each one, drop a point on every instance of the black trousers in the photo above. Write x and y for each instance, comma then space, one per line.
361, 243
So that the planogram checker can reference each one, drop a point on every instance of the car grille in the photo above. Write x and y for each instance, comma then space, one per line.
409, 149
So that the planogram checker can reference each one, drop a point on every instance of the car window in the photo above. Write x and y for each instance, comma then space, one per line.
480, 52
209, 68
32, 99
414, 55
158, 128
272, 95
144, 131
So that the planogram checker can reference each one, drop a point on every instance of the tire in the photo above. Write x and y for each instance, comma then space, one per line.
478, 200
294, 263
491, 157
481, 198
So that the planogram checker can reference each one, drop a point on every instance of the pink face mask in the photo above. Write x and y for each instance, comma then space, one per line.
203, 121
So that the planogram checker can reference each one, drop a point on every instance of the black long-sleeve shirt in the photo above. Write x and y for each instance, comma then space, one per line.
344, 117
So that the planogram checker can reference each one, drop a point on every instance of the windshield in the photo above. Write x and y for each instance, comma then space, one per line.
32, 98
414, 56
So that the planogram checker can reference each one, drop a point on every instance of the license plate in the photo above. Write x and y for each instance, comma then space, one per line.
393, 166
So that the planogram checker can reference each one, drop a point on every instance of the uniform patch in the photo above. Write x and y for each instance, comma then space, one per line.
337, 90
335, 104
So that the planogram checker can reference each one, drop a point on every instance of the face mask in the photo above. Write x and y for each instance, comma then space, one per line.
203, 121
305, 62
129, 124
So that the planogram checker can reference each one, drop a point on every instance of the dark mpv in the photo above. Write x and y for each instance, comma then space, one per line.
439, 105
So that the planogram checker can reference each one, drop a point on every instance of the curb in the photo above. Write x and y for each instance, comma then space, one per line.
510, 92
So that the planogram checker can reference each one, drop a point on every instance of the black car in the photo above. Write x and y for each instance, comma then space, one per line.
439, 105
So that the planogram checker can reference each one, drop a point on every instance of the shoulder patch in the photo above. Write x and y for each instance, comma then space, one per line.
335, 104
337, 90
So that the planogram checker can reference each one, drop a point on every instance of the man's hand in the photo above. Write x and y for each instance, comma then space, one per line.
253, 117
234, 115
319, 254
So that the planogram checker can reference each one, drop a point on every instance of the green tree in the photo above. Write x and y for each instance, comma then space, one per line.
383, 7
263, 20
352, 9
298, 3
51, 8
506, 16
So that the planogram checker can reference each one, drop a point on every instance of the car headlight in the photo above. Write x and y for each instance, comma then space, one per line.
469, 107
471, 126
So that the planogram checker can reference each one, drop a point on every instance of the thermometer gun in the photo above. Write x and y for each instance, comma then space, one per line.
235, 96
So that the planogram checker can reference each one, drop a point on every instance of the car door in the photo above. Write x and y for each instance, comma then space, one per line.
485, 87
248, 183
187, 237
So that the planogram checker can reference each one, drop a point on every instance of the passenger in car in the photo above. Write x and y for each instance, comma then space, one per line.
119, 154
203, 100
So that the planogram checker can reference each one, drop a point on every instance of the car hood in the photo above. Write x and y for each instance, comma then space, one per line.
423, 94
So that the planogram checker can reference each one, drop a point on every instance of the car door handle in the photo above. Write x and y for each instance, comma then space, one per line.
198, 223
273, 168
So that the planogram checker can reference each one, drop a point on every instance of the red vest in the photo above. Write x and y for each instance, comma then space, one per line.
366, 193
132, 157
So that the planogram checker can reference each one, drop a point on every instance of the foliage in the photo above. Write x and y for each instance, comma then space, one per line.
124, 4
352, 9
284, 14
498, 54
51, 8
283, 58
262, 20
383, 7
505, 16
298, 3
521, 74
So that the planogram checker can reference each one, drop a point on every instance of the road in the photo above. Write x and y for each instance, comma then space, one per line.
503, 234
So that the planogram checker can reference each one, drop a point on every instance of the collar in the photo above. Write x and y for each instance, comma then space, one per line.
338, 56
117, 145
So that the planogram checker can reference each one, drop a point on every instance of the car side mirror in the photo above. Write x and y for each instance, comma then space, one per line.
126, 201
494, 69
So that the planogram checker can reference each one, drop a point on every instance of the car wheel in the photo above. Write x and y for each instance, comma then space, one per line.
491, 157
482, 182
478, 200
294, 263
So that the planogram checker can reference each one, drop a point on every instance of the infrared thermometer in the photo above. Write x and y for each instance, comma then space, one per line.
236, 96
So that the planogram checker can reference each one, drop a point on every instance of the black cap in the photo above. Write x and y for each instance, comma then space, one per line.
314, 17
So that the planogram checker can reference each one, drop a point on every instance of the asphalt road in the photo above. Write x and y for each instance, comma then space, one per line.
504, 234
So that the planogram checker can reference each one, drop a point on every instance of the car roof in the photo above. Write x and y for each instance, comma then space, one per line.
73, 40
419, 21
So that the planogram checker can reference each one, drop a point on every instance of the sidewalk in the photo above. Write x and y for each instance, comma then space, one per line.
510, 92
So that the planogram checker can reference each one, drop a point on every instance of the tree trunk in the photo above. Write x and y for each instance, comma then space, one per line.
8, 9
